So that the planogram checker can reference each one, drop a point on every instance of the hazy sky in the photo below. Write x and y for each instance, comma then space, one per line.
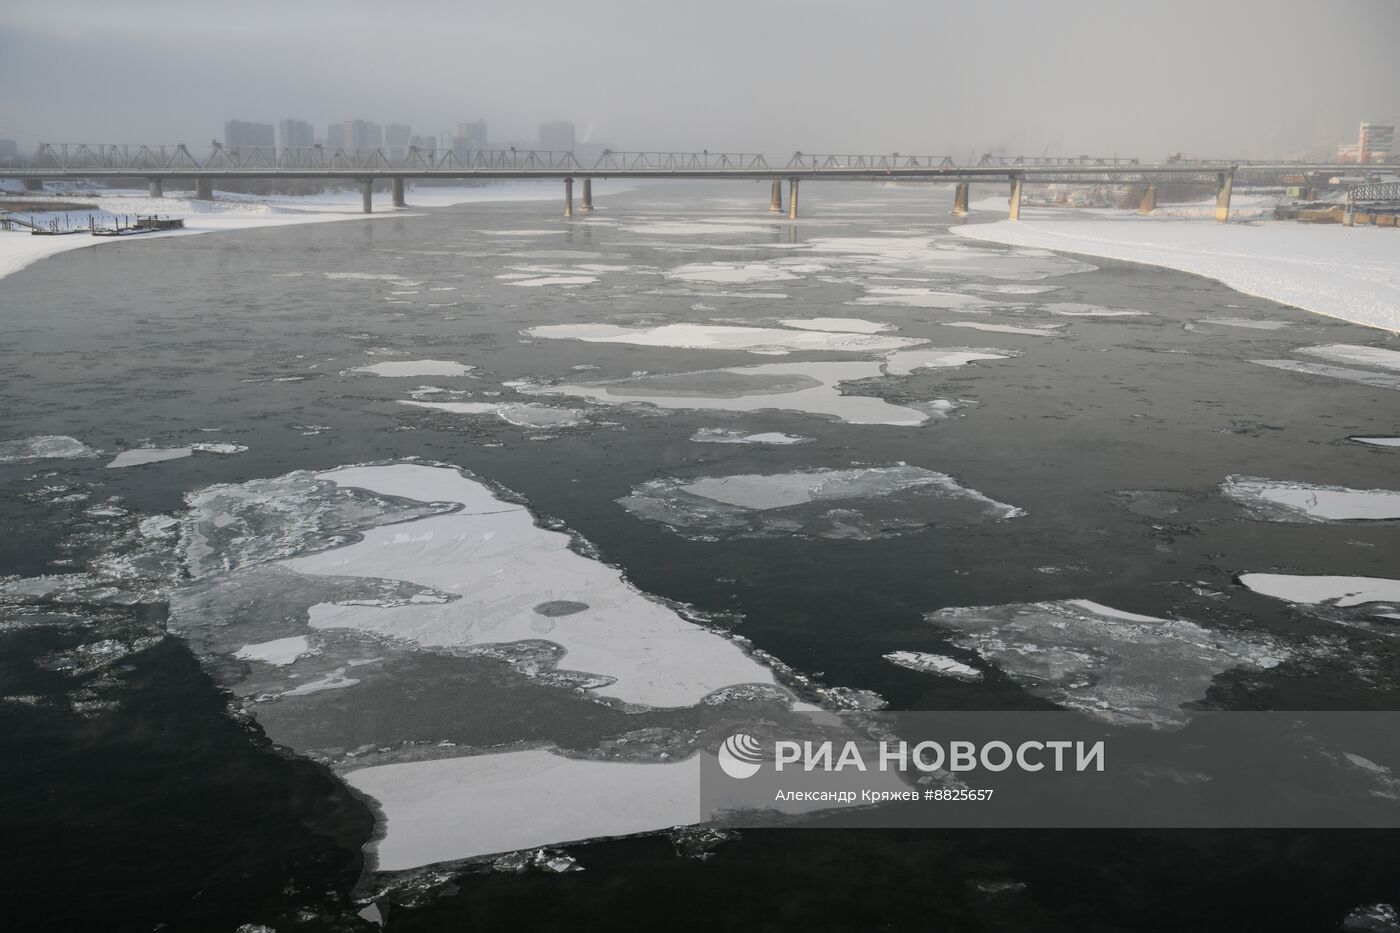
1215, 78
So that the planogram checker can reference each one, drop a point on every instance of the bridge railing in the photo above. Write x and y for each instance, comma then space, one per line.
817, 162
705, 161
1375, 192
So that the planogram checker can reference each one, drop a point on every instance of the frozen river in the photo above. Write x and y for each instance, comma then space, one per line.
317, 534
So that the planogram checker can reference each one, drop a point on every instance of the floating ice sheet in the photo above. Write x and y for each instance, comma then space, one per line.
904, 362
1046, 330
724, 436
140, 455
1248, 323
1359, 355
1377, 441
850, 325
1279, 500
1121, 667
722, 337
502, 565
44, 447
917, 297
865, 503
1314, 590
279, 651
417, 368
520, 414
934, 664
1076, 309
1345, 373
731, 273
806, 387
537, 281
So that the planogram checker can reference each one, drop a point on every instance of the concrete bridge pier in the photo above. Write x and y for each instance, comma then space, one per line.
367, 195
396, 191
585, 203
568, 197
1148, 204
775, 201
204, 189
1015, 213
960, 199
1224, 181
792, 199
34, 184
155, 187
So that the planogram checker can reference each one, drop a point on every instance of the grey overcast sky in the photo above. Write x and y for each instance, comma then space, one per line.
1218, 78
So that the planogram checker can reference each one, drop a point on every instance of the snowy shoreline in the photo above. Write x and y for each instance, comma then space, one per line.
20, 249
1340, 272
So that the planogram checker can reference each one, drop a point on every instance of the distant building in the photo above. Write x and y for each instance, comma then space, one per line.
423, 143
396, 137
240, 134
296, 134
364, 135
336, 137
473, 133
1377, 142
9, 149
558, 136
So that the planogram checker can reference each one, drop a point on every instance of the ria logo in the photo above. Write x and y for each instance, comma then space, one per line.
741, 756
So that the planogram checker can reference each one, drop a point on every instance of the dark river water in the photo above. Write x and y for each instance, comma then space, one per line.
139, 794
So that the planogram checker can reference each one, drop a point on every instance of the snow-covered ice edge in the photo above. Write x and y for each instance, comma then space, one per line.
1340, 272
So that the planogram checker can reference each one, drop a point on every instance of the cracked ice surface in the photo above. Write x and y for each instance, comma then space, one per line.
722, 337
1278, 500
805, 387
1314, 590
862, 504
934, 664
494, 557
44, 447
1121, 667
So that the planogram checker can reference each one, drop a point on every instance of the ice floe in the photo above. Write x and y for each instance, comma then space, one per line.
806, 387
863, 503
1279, 500
140, 455
1345, 373
904, 362
45, 447
850, 325
917, 297
934, 664
537, 281
1377, 441
279, 651
1076, 309
1332, 590
520, 414
1247, 323
492, 555
1121, 667
1045, 330
722, 337
1358, 355
731, 273
416, 368
724, 436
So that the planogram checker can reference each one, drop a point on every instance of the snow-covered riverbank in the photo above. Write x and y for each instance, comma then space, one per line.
1351, 273
19, 249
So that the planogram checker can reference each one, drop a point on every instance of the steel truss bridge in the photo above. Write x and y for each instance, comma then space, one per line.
158, 164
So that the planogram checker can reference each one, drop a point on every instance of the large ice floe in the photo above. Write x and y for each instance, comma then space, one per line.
723, 337
904, 362
1345, 373
1045, 330
1336, 591
919, 297
1118, 666
142, 455
1355, 354
44, 447
863, 503
806, 387
940, 664
481, 677
520, 414
727, 436
416, 368
1278, 500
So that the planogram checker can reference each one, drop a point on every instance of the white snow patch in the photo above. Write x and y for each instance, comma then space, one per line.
1341, 272
417, 368
1313, 590
722, 337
